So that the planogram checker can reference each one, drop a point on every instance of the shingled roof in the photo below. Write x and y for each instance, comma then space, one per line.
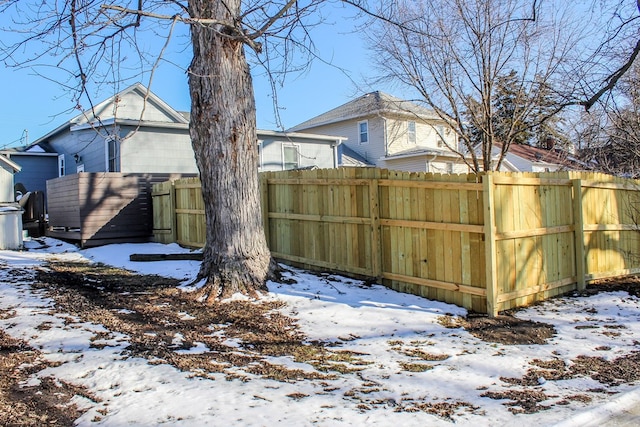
549, 155
373, 103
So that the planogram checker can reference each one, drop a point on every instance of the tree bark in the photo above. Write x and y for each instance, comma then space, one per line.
224, 138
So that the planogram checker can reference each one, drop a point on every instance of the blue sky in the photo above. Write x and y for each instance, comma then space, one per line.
32, 105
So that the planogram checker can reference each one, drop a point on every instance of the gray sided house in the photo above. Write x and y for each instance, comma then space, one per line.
137, 132
37, 166
388, 132
281, 151
131, 132
109, 157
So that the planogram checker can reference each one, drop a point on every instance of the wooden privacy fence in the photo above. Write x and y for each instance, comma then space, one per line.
102, 207
487, 243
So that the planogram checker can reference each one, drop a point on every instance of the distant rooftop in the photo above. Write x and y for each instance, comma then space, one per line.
367, 105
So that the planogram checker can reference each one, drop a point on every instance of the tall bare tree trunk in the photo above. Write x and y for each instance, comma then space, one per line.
223, 134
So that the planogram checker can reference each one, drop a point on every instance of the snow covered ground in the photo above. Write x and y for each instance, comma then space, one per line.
386, 327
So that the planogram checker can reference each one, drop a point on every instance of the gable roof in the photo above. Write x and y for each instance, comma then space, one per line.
551, 156
352, 157
374, 103
104, 113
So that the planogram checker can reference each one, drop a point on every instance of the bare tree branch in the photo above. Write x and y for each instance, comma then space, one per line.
613, 79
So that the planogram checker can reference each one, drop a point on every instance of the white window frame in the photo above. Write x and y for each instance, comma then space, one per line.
61, 165
411, 132
440, 133
117, 166
284, 160
366, 133
449, 167
260, 154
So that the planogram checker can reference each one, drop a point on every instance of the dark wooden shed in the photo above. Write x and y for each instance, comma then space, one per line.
101, 208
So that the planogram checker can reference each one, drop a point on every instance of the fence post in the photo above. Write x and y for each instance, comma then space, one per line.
376, 242
173, 213
578, 223
490, 245
264, 202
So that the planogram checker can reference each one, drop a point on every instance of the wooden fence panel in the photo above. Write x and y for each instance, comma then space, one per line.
321, 218
487, 243
535, 240
101, 208
164, 220
431, 228
610, 217
190, 221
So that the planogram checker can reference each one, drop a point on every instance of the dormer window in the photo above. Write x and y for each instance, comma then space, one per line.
363, 132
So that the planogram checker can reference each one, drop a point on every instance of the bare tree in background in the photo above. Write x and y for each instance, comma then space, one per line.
454, 53
450, 50
608, 135
89, 42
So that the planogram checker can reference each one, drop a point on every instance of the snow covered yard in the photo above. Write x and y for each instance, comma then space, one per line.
320, 350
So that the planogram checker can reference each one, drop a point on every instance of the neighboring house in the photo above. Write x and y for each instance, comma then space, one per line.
526, 158
37, 164
387, 132
131, 132
137, 132
282, 150
7, 169
143, 140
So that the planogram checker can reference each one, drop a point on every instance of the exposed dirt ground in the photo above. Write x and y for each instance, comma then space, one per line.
150, 311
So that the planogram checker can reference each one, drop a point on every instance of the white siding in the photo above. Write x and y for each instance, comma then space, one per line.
311, 153
448, 166
130, 106
409, 164
426, 163
388, 136
544, 168
6, 184
427, 136
372, 151
520, 164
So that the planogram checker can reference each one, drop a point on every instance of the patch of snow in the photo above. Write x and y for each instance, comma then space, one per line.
377, 324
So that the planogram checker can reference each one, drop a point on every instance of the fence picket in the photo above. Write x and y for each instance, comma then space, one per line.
488, 242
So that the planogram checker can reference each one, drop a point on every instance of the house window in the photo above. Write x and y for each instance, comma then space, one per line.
260, 160
113, 155
440, 130
449, 166
411, 132
61, 165
291, 157
363, 132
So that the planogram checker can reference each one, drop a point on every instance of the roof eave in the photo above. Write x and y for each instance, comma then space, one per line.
301, 135
13, 165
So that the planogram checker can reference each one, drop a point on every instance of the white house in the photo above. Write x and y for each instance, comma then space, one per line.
526, 158
387, 132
